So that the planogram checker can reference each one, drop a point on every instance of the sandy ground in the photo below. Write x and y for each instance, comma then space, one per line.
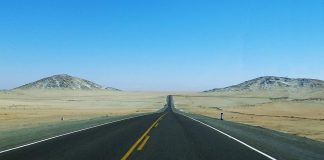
36, 111
28, 116
294, 114
25, 109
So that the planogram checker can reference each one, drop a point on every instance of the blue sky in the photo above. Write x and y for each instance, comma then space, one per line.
160, 45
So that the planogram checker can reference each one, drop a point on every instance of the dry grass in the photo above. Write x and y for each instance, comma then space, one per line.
302, 117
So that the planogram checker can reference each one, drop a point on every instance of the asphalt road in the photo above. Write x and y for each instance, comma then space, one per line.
159, 136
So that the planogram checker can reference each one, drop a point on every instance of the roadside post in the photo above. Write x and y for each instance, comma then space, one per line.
221, 116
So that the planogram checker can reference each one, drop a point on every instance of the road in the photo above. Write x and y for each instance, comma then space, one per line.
158, 136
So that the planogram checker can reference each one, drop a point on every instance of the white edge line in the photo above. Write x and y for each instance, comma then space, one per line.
231, 137
43, 140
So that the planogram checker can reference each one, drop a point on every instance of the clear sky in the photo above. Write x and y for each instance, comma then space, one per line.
167, 45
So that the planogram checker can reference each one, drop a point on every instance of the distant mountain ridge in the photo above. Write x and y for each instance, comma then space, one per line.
64, 81
272, 83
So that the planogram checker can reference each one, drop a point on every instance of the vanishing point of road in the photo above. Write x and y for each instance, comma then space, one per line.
159, 136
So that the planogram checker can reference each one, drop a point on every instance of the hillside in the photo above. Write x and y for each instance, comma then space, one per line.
63, 81
273, 83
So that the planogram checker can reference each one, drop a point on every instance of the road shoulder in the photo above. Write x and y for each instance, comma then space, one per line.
277, 144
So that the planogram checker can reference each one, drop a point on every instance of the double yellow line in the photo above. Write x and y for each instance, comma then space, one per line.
144, 136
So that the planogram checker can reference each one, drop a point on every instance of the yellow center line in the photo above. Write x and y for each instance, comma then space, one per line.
140, 147
156, 125
129, 152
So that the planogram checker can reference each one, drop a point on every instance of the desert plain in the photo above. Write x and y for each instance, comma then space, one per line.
29, 115
299, 112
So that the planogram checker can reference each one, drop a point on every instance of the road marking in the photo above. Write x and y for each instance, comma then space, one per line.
43, 140
156, 125
129, 152
140, 147
231, 137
